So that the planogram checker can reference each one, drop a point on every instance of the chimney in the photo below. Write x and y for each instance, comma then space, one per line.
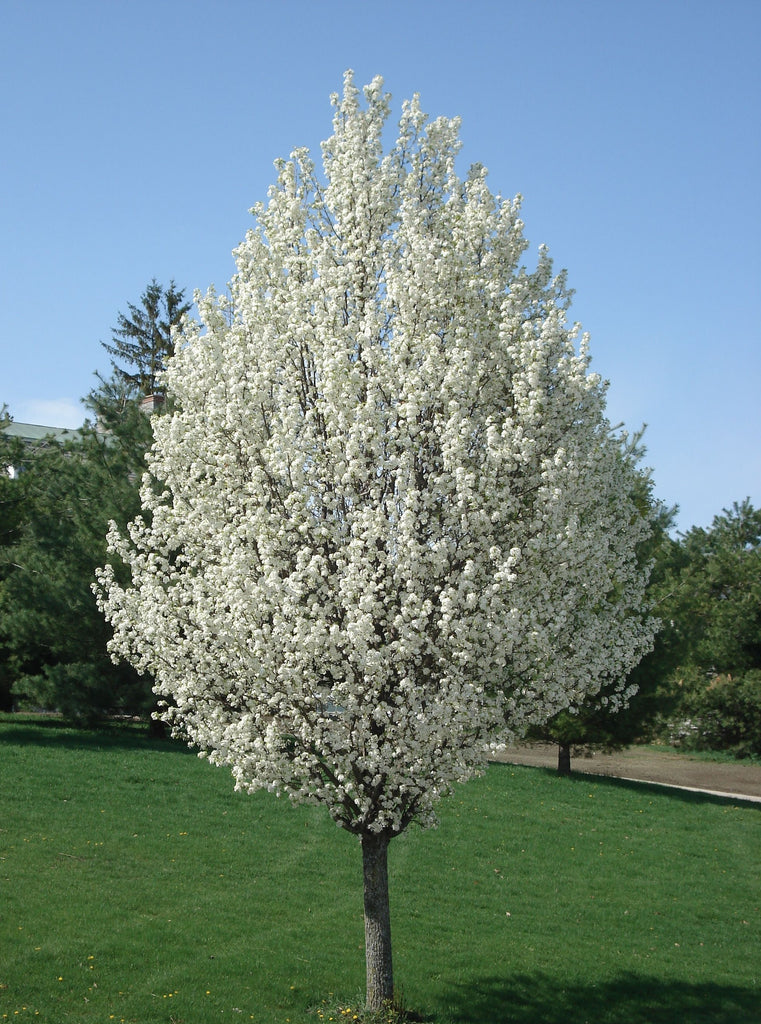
151, 404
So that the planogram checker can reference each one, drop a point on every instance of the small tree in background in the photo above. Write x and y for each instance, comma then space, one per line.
602, 722
385, 497
142, 340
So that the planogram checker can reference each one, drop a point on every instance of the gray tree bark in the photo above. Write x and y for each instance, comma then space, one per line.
380, 975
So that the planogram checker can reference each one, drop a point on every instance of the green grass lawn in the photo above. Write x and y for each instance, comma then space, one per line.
136, 886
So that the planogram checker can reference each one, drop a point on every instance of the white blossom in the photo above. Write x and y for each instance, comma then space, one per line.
386, 523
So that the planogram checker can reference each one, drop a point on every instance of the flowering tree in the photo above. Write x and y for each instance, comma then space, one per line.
387, 524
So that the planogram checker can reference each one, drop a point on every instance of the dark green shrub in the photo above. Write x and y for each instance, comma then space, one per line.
723, 715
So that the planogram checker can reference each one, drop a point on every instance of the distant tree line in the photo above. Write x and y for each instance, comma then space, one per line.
700, 687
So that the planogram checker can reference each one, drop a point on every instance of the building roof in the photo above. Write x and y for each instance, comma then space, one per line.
38, 432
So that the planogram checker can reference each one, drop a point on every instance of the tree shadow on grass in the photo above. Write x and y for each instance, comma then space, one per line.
674, 792
628, 998
45, 731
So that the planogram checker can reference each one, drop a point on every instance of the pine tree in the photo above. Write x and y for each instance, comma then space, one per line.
142, 341
55, 514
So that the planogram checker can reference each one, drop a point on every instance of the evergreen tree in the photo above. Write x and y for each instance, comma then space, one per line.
11, 511
720, 584
53, 521
142, 340
10, 504
713, 596
52, 639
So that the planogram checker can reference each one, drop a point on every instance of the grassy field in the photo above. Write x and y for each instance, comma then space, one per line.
136, 886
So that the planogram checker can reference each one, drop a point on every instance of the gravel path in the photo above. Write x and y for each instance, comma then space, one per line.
734, 778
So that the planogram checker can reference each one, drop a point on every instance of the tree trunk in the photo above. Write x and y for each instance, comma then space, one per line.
564, 759
380, 975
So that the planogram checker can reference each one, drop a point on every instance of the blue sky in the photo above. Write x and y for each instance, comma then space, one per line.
137, 135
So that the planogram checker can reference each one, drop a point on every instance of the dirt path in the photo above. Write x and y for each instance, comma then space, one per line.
648, 765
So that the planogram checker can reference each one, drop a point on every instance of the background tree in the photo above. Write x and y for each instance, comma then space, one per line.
720, 584
10, 523
388, 524
52, 638
142, 340
713, 597
11, 455
599, 723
